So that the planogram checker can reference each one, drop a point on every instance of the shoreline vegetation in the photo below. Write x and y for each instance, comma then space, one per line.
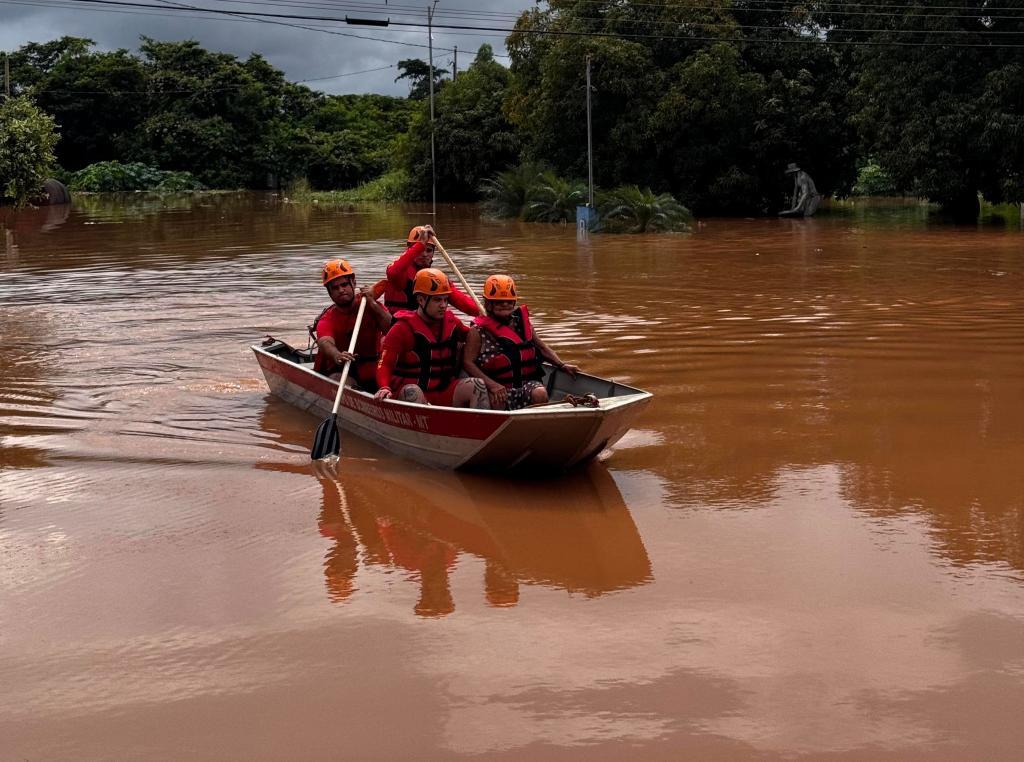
867, 103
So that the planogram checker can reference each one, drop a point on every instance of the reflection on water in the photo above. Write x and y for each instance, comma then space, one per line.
827, 482
581, 539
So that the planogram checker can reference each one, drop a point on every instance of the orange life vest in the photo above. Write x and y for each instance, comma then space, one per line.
433, 362
518, 361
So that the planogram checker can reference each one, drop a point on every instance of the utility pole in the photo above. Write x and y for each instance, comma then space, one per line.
455, 66
590, 142
7, 75
433, 165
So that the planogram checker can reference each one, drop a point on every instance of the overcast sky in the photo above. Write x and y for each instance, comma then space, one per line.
302, 54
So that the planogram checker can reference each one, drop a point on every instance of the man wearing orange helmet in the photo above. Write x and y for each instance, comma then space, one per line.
503, 351
333, 328
419, 254
420, 357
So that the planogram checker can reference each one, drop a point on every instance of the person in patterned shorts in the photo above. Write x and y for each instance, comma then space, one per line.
504, 352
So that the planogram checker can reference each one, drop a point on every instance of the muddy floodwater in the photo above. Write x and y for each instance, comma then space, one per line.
811, 544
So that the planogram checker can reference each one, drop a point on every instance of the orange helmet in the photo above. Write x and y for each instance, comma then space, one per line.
431, 282
500, 288
414, 235
337, 268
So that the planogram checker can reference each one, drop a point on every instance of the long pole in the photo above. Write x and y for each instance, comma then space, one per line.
455, 65
7, 75
433, 165
590, 141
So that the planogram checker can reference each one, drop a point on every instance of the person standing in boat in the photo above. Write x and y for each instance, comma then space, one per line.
333, 327
420, 357
503, 351
401, 274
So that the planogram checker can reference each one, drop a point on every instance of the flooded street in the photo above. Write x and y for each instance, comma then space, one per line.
812, 543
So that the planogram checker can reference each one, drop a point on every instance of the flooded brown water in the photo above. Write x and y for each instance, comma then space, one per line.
812, 545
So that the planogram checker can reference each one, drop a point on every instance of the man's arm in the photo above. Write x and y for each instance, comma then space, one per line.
380, 315
396, 271
463, 302
326, 344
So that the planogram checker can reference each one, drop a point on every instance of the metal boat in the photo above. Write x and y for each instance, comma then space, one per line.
551, 437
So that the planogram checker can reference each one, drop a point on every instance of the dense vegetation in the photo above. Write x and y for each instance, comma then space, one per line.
27, 138
230, 123
706, 101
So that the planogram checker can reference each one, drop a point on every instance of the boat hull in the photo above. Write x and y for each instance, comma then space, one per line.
554, 437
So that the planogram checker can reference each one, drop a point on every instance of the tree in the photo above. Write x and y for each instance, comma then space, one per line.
940, 104
417, 72
713, 118
210, 113
34, 60
473, 138
98, 99
27, 138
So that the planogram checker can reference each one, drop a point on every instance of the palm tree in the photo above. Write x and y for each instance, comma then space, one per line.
507, 194
554, 199
641, 211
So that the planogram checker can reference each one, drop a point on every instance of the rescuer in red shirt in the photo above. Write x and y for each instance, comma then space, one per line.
401, 274
420, 358
333, 328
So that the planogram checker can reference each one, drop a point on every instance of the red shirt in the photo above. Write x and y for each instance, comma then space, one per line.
338, 324
401, 274
401, 339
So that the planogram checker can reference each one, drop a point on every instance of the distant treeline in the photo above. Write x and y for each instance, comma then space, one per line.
707, 101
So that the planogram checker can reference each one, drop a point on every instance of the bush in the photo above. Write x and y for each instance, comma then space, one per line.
178, 182
631, 210
872, 180
554, 199
114, 177
508, 193
27, 139
390, 188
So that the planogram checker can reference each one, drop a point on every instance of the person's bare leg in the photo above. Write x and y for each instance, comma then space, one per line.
412, 393
471, 392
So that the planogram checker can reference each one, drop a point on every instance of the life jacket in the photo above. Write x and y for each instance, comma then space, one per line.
433, 362
518, 360
396, 299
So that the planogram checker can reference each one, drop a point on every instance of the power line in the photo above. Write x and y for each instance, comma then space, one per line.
485, 31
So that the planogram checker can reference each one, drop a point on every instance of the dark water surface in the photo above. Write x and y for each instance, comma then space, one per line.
811, 545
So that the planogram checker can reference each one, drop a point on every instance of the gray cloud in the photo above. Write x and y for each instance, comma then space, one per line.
301, 54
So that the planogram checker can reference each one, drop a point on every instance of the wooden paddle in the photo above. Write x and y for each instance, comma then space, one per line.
458, 274
327, 442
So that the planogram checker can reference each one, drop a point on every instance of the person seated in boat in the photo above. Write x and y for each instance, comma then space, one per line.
333, 327
401, 274
419, 361
503, 351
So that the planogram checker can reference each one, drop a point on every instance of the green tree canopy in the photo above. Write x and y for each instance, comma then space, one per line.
939, 99
473, 139
709, 117
417, 72
27, 138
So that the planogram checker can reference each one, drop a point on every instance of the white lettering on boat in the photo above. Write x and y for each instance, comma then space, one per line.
387, 414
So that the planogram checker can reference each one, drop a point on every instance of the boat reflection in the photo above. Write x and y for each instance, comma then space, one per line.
574, 534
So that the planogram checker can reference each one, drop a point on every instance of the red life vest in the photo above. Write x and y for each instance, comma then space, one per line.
396, 299
518, 360
433, 362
